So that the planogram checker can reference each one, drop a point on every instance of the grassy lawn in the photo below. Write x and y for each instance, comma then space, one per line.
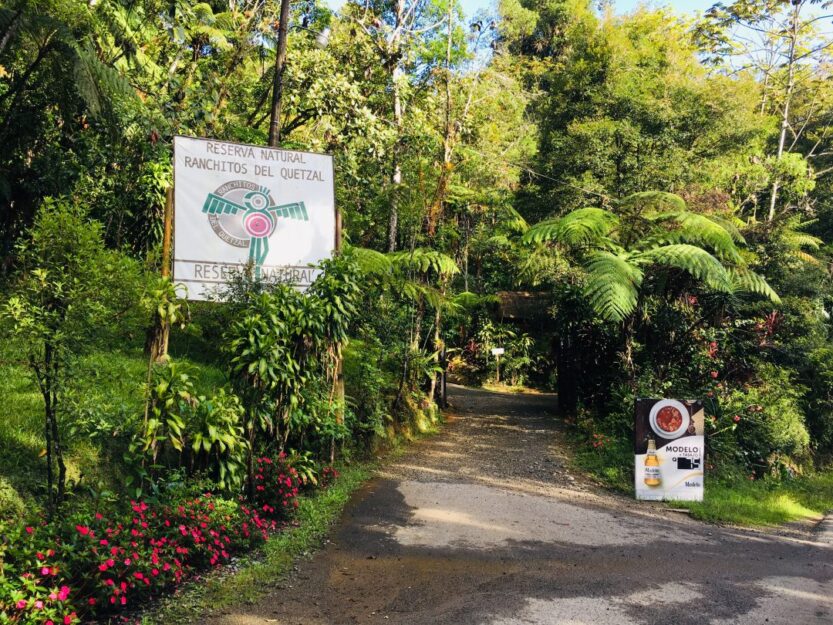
104, 385
764, 502
737, 501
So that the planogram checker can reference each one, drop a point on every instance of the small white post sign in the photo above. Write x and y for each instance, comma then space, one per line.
237, 205
498, 351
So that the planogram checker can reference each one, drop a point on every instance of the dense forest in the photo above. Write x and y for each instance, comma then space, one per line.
657, 188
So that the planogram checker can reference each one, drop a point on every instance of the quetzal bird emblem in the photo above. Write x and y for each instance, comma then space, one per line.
258, 217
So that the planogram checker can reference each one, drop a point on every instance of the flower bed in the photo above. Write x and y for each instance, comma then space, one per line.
91, 563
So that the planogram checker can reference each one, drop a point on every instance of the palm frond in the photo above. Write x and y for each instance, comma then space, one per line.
692, 259
612, 287
746, 280
580, 227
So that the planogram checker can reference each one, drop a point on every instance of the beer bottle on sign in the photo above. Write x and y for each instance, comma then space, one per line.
652, 475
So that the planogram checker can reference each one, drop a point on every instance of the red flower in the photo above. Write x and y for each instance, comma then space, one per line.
82, 530
714, 375
736, 418
29, 530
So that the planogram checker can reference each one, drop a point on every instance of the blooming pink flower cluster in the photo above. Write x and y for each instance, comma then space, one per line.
276, 487
89, 564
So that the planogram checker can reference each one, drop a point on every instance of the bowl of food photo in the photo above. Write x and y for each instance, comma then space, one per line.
669, 418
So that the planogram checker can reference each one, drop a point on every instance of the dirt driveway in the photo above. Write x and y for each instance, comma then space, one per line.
483, 524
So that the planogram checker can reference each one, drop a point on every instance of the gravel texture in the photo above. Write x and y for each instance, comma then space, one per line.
485, 524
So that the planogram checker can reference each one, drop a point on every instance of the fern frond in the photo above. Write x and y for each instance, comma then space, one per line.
798, 240
467, 299
423, 260
804, 257
731, 224
745, 280
513, 220
702, 230
98, 84
612, 287
578, 228
370, 261
692, 259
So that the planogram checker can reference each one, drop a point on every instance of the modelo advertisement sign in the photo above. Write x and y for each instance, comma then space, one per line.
246, 206
670, 449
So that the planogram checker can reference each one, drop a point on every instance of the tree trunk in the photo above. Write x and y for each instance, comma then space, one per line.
785, 111
566, 380
250, 468
396, 166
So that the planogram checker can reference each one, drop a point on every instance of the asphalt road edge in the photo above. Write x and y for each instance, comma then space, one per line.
824, 530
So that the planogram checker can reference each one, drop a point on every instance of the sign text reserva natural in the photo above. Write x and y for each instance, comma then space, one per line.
213, 150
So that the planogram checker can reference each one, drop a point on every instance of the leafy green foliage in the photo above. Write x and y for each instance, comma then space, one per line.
68, 286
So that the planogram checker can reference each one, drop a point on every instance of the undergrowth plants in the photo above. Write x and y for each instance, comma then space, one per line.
103, 560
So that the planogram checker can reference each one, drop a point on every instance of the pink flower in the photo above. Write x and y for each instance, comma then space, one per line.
29, 530
39, 605
102, 567
44, 570
736, 418
82, 530
21, 604
48, 622
63, 593
714, 375
91, 601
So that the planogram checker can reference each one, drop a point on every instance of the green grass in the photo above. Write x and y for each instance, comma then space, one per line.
727, 500
764, 502
316, 514
109, 383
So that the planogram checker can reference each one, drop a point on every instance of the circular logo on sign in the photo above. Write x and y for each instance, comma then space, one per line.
239, 212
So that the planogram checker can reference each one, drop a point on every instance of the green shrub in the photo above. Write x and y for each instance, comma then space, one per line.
820, 398
12, 506
771, 433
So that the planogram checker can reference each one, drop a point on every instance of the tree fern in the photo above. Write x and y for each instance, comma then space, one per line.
370, 261
467, 299
578, 228
701, 230
99, 85
745, 280
423, 260
612, 287
692, 259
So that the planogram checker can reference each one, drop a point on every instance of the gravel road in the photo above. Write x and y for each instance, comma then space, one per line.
484, 524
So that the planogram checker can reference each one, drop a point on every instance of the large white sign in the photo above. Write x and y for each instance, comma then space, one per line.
244, 205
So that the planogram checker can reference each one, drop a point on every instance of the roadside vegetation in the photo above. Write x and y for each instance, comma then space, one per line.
627, 206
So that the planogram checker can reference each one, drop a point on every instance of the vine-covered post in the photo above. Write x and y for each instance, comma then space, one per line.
159, 333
